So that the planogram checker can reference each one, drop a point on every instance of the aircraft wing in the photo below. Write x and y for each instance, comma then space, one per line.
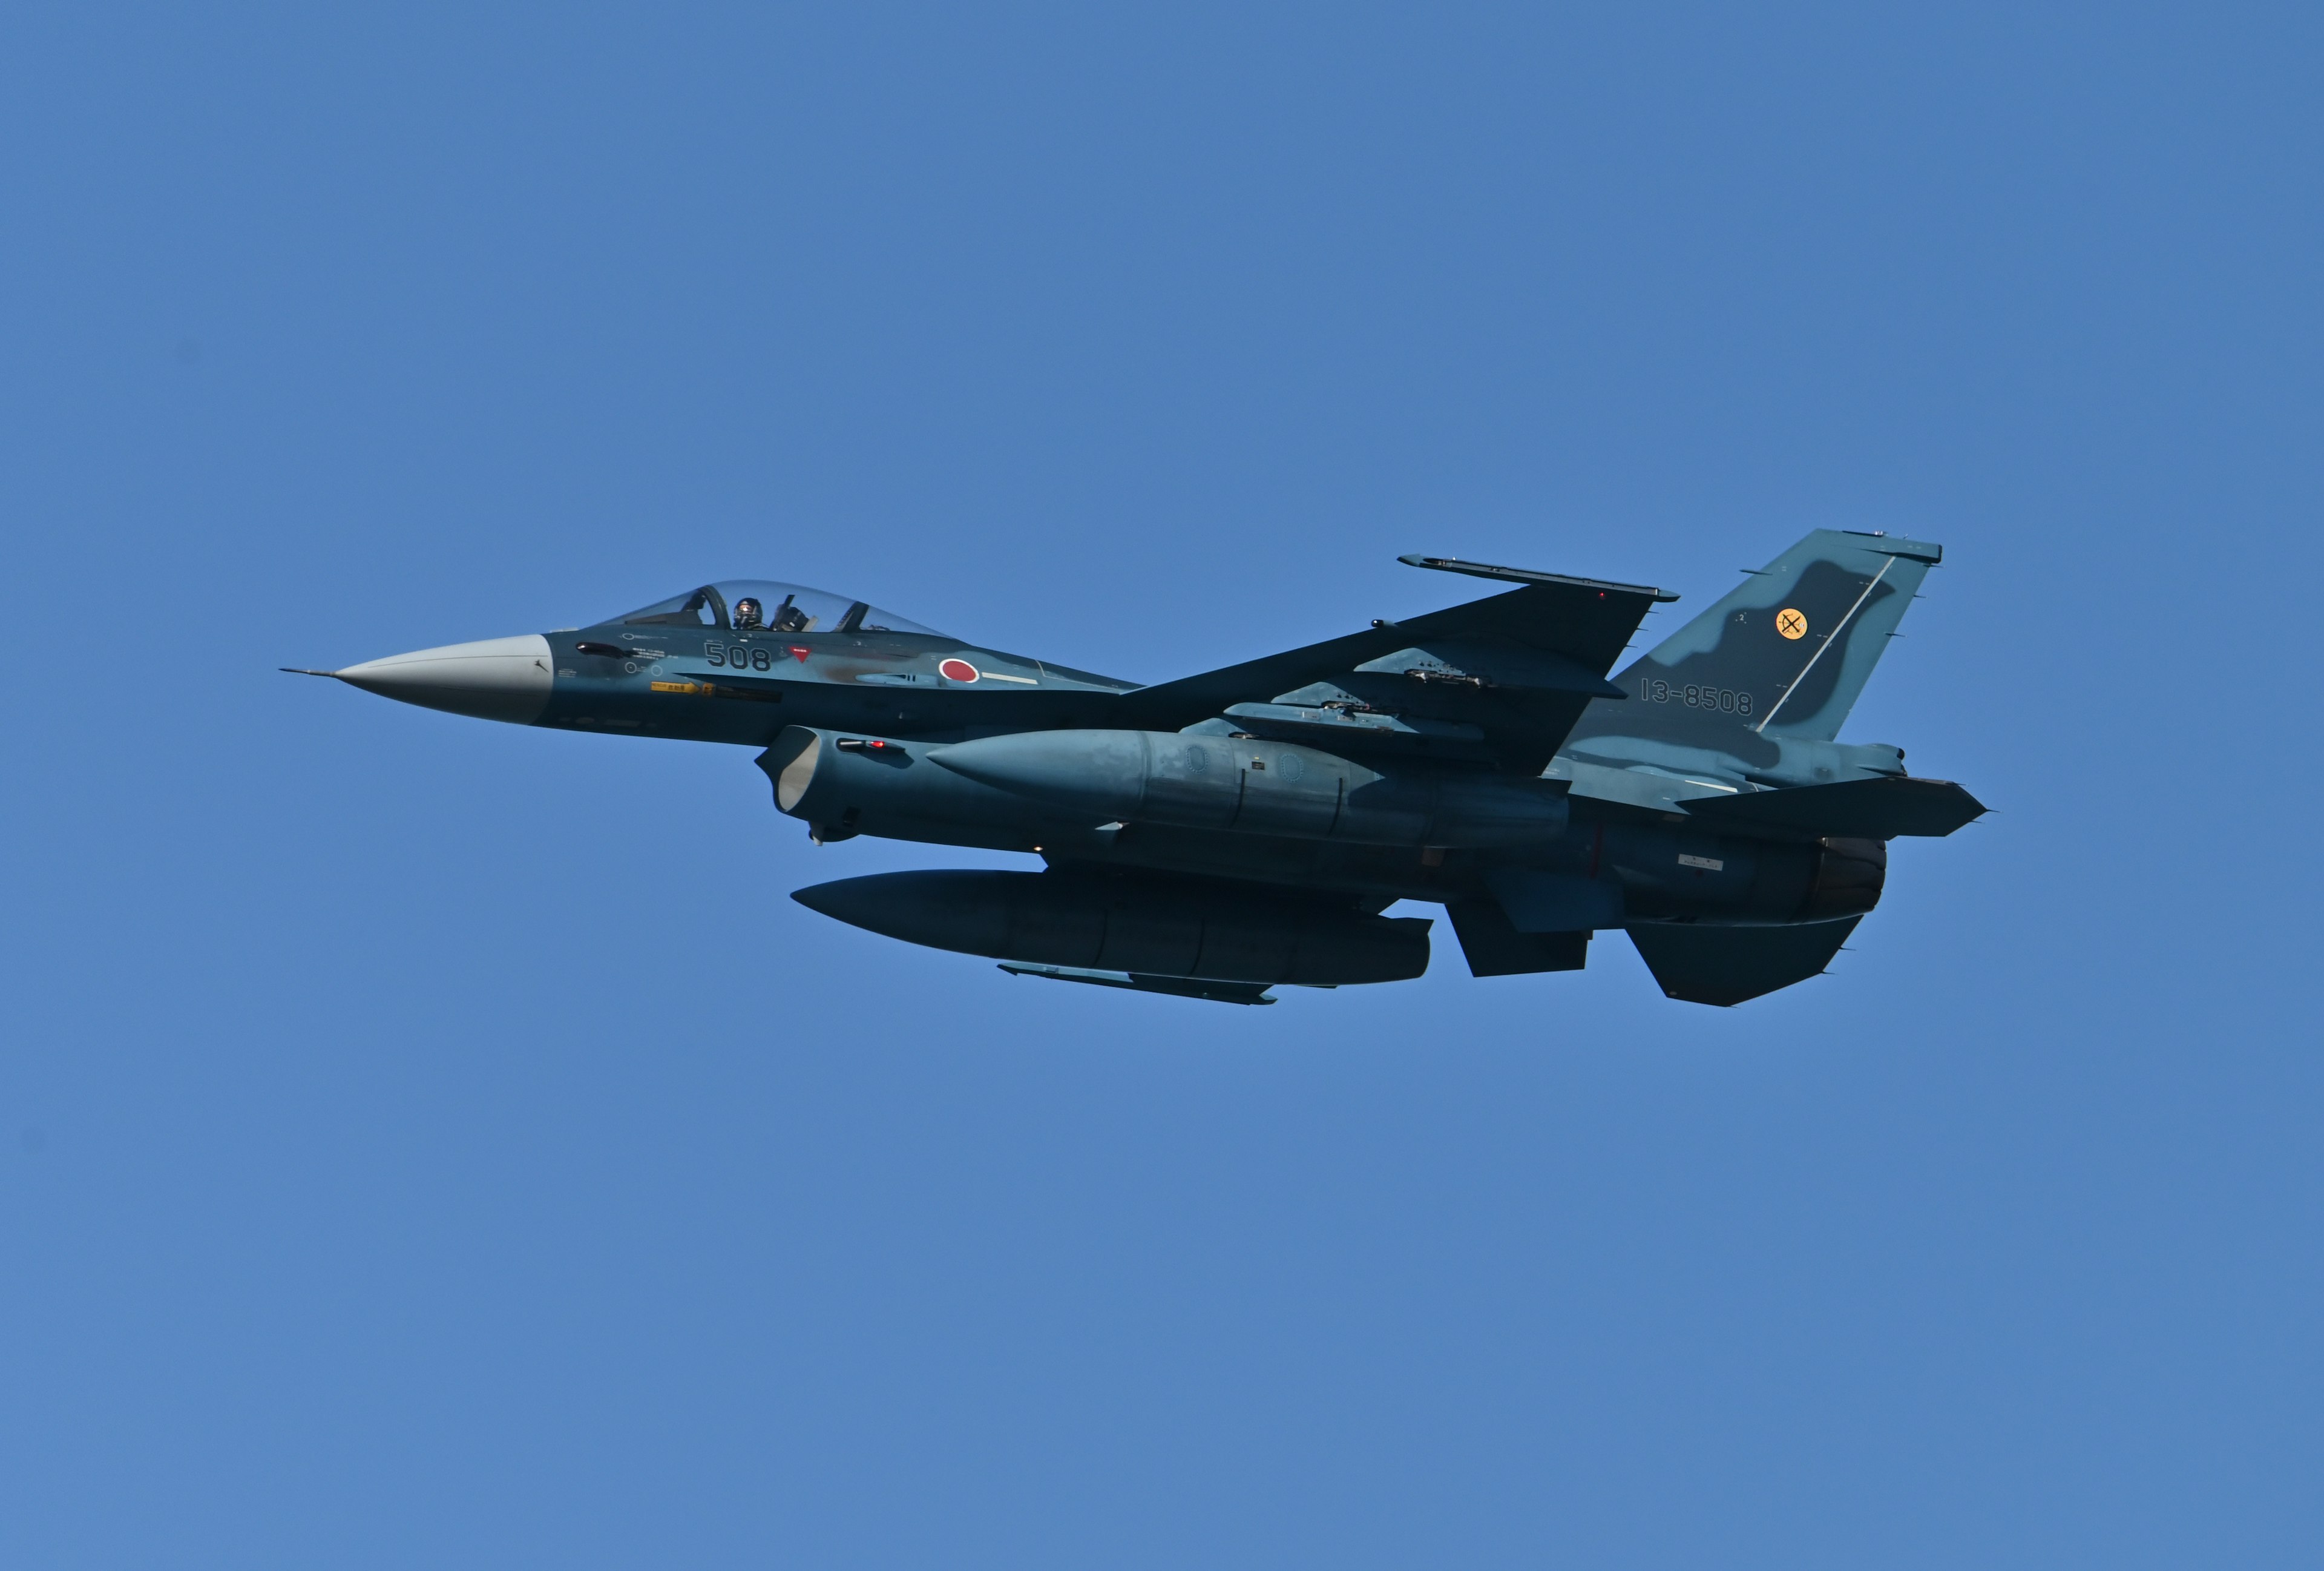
1498, 680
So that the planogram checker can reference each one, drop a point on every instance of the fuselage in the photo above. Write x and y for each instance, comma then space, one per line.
744, 687
873, 704
1249, 826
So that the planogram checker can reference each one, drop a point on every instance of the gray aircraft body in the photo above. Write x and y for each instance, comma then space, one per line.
1222, 834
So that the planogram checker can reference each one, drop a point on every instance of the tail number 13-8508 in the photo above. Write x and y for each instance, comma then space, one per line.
1727, 700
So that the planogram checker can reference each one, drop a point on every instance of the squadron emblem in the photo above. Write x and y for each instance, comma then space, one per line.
1790, 624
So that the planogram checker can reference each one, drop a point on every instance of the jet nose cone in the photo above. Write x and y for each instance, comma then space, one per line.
494, 678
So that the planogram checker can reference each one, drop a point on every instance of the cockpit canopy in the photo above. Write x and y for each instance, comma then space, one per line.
740, 605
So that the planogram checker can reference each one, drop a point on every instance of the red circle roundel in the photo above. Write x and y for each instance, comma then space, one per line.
957, 670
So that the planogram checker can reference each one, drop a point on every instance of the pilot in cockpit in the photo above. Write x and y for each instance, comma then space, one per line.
789, 618
747, 612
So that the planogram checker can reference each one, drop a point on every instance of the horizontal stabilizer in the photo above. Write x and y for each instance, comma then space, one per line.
1727, 965
1869, 809
1177, 986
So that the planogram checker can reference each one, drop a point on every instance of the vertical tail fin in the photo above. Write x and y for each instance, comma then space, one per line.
1787, 653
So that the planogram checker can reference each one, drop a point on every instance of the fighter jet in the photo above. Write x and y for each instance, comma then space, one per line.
1226, 833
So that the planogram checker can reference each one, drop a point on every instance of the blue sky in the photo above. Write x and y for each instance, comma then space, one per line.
430, 1141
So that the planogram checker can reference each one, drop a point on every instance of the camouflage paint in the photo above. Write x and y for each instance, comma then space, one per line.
1475, 757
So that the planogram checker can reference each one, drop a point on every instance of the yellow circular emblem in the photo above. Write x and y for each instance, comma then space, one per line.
1790, 624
